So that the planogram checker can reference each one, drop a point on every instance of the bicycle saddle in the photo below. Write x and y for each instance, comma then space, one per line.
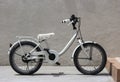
45, 36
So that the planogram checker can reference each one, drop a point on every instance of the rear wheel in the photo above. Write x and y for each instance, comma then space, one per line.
19, 62
91, 60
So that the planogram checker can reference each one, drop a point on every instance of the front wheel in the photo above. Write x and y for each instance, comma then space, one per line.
91, 60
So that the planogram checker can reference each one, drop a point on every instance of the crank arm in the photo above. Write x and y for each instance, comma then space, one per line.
40, 53
32, 58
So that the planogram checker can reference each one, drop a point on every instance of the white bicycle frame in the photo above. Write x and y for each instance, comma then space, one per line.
24, 38
38, 43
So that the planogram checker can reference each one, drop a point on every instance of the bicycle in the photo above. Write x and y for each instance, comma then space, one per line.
27, 55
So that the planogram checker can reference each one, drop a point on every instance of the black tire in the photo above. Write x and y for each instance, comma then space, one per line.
15, 63
87, 68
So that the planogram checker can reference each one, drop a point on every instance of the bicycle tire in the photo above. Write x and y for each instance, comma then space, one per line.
85, 71
13, 64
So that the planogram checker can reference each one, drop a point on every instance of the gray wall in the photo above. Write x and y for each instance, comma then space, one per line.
100, 22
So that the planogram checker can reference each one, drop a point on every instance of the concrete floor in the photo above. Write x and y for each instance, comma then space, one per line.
53, 74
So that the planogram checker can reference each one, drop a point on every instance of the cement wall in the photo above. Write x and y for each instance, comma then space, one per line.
100, 22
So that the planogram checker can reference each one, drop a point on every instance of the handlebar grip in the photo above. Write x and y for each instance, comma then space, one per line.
72, 20
66, 21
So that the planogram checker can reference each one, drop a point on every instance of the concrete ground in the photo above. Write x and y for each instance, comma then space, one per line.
53, 74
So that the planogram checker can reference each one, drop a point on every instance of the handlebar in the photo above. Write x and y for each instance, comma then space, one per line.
72, 20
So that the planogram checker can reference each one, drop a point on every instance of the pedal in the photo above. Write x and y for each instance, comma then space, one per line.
57, 63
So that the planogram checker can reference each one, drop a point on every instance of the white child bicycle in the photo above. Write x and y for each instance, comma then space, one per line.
27, 55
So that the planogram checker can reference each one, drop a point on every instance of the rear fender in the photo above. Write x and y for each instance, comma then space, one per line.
12, 45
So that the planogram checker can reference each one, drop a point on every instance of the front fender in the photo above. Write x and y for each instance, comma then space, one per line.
18, 42
86, 42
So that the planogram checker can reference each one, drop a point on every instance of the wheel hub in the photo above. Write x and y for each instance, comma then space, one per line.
24, 59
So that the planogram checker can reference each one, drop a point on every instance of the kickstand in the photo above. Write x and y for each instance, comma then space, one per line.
57, 63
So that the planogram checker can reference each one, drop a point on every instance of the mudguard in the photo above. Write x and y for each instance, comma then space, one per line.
18, 42
86, 42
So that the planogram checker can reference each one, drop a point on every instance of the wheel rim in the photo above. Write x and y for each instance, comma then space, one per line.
92, 60
19, 59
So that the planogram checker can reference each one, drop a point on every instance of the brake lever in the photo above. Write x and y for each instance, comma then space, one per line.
70, 23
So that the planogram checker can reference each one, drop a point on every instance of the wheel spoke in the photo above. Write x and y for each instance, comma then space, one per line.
18, 54
83, 58
93, 66
91, 50
27, 68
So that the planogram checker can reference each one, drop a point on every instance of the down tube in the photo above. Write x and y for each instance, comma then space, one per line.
68, 44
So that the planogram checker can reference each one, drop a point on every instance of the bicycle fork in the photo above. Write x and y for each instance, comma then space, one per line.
84, 50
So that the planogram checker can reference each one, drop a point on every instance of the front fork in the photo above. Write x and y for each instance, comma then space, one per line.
89, 56
84, 50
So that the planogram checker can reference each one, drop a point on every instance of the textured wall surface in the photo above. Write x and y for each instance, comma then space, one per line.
100, 22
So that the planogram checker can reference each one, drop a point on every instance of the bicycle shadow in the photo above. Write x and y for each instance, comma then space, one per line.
63, 74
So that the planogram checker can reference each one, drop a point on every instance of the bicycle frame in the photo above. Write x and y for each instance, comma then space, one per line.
68, 44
